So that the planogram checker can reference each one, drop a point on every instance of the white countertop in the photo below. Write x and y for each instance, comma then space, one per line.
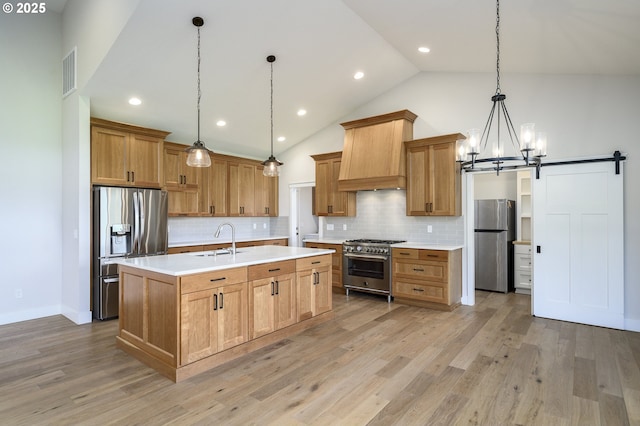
195, 263
427, 246
324, 241
414, 245
224, 241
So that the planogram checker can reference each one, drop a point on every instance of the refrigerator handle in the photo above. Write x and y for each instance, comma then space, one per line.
136, 223
142, 233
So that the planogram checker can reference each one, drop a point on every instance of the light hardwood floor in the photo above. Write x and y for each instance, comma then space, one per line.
377, 364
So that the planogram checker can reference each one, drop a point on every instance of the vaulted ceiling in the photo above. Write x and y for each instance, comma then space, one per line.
320, 44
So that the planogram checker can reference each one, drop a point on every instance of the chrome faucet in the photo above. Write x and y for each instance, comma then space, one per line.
233, 235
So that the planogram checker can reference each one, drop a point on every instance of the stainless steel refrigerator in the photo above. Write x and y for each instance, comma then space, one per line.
127, 222
494, 235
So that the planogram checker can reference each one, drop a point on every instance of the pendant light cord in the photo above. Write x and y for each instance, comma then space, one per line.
199, 92
271, 109
497, 47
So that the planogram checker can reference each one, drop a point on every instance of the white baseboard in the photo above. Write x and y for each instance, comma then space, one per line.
632, 324
29, 314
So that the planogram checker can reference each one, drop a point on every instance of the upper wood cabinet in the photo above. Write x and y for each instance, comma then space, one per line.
214, 187
176, 172
330, 201
433, 176
242, 178
125, 155
266, 194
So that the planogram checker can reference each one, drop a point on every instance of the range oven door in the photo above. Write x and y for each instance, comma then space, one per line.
366, 272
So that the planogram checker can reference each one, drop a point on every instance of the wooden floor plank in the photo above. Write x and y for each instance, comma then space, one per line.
374, 363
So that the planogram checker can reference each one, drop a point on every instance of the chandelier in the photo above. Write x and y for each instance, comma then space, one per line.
532, 145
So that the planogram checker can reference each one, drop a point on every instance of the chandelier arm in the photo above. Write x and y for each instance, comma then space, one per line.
513, 135
487, 129
271, 109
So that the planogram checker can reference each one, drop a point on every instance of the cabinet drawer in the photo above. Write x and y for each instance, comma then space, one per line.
521, 249
522, 262
191, 283
184, 249
438, 255
522, 280
313, 262
434, 271
272, 269
427, 291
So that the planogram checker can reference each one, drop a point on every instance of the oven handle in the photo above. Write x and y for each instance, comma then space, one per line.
366, 257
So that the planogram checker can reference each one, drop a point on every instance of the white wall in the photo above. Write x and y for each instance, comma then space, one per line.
583, 116
30, 174
489, 186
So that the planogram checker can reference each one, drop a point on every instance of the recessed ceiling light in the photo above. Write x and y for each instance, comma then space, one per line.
302, 112
281, 139
135, 101
221, 123
424, 49
358, 75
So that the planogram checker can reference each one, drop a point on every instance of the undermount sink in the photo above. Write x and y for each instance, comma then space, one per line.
215, 253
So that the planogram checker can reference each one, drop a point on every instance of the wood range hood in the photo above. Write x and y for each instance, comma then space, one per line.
373, 156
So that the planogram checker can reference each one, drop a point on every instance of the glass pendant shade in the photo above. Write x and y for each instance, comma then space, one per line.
473, 141
271, 167
198, 155
527, 136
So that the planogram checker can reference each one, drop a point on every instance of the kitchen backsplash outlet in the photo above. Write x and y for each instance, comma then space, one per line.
382, 215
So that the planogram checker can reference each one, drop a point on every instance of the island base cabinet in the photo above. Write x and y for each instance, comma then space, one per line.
314, 286
212, 321
185, 325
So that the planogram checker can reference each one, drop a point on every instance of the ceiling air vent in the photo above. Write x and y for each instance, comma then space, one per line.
69, 73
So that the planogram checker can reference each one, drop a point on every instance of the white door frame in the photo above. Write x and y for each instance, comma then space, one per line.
294, 209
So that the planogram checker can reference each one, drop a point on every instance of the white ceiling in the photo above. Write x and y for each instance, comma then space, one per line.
320, 44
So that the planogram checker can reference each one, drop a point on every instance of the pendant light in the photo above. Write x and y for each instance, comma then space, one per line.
271, 165
532, 146
198, 154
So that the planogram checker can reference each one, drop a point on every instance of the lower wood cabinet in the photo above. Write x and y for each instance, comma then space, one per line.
213, 319
428, 278
336, 263
313, 277
272, 297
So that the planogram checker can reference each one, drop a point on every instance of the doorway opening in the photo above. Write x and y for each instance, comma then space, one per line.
302, 221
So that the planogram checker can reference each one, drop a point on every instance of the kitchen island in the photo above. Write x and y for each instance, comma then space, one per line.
183, 314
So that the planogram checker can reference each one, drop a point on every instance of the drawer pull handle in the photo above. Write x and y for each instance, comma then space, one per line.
274, 269
405, 254
432, 255
315, 263
418, 289
418, 269
218, 279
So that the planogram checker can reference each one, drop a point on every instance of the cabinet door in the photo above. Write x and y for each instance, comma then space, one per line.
417, 165
232, 315
266, 194
199, 325
323, 187
241, 189
261, 307
305, 293
218, 195
338, 199
322, 296
109, 151
183, 202
442, 180
286, 313
144, 160
171, 161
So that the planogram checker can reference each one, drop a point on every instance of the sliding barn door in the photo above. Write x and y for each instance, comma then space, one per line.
578, 266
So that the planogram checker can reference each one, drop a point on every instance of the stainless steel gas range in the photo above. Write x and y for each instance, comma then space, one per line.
366, 266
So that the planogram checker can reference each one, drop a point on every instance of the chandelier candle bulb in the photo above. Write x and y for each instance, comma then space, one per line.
527, 136
473, 141
541, 145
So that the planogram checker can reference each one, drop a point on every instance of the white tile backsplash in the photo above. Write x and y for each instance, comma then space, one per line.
382, 215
